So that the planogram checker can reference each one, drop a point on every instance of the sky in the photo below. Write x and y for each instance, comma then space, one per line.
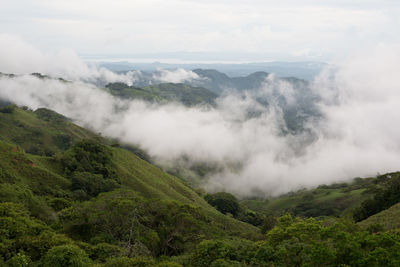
221, 30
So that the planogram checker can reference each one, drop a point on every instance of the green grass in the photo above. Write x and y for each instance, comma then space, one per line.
42, 132
45, 177
338, 200
389, 219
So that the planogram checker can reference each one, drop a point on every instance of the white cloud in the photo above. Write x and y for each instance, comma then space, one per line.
175, 76
168, 26
358, 136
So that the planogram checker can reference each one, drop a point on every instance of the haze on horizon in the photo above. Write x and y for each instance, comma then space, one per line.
218, 30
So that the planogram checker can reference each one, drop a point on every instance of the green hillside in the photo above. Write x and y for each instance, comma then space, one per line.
388, 219
79, 201
165, 92
42, 132
325, 200
69, 187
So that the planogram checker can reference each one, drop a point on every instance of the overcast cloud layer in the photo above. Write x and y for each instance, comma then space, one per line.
359, 134
254, 30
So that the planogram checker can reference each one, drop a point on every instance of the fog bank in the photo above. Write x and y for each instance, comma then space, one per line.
357, 135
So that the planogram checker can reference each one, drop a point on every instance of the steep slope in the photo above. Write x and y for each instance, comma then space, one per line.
45, 176
42, 132
389, 219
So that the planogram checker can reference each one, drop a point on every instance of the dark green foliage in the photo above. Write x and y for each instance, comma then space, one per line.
268, 223
66, 255
89, 156
224, 202
227, 203
36, 205
209, 251
219, 252
89, 166
384, 198
91, 184
145, 227
128, 262
6, 177
50, 116
19, 260
62, 141
7, 109
59, 203
18, 231
251, 217
298, 242
103, 251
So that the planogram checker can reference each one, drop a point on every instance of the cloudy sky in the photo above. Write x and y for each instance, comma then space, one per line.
235, 30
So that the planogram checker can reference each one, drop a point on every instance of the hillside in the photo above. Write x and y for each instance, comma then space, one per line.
63, 179
388, 219
325, 200
82, 202
42, 132
165, 92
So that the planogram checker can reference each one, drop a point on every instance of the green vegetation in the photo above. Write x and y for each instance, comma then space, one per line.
387, 193
89, 203
300, 242
387, 219
42, 132
224, 202
325, 200
165, 92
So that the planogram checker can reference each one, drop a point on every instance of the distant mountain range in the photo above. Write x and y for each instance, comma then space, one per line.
304, 70
292, 96
164, 92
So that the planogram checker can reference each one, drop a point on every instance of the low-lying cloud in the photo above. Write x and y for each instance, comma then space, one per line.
19, 57
358, 133
175, 76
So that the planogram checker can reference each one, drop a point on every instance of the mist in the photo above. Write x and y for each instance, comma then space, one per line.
357, 135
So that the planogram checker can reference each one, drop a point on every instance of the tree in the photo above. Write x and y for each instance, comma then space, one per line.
66, 255
224, 202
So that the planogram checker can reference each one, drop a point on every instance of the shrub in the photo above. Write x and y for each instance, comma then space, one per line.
89, 156
224, 202
66, 255
129, 262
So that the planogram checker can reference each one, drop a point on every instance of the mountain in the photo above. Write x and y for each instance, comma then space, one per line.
292, 96
165, 92
82, 200
62, 187
304, 69
219, 82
